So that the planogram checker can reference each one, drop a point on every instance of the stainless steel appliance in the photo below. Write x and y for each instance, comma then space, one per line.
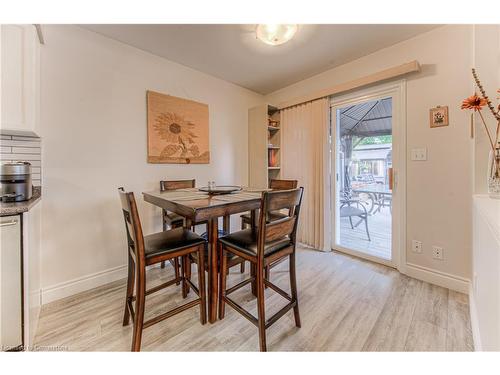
15, 182
11, 284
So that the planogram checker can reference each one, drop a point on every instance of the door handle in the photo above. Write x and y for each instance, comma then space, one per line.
8, 223
391, 179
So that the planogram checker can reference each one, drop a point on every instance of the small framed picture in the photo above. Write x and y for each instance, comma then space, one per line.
439, 117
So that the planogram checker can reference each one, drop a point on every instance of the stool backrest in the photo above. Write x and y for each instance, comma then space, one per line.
283, 184
176, 184
283, 227
135, 238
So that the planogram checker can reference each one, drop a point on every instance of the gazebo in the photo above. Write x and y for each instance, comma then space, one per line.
357, 122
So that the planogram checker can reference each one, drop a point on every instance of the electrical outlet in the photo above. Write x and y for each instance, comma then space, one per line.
438, 252
416, 246
419, 154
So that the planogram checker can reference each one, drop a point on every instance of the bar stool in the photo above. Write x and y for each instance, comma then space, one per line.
148, 250
170, 219
274, 184
272, 241
246, 220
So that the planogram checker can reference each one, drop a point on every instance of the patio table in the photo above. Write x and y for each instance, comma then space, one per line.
377, 193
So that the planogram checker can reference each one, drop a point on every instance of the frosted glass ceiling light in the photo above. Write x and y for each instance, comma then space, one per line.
275, 34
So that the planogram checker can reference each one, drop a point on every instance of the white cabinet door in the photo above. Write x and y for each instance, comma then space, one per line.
20, 77
10, 283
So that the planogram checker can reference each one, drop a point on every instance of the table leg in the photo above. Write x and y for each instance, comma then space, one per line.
379, 202
213, 280
374, 200
226, 224
253, 218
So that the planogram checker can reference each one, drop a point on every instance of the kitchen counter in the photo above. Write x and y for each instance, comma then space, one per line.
15, 208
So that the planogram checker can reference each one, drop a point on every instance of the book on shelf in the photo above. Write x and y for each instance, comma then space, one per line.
272, 160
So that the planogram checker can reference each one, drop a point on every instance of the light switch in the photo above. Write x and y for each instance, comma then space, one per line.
419, 154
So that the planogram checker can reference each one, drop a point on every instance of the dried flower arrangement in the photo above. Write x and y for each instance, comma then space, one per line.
476, 103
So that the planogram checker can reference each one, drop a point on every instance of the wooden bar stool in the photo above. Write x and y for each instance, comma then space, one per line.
144, 251
170, 219
273, 185
246, 220
271, 242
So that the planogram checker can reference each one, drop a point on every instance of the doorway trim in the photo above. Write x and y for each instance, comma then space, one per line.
396, 90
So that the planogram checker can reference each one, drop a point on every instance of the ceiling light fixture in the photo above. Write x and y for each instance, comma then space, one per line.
275, 34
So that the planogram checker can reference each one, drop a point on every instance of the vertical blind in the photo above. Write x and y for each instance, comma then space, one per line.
305, 157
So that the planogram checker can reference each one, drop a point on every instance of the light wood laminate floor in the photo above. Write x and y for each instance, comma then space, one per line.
346, 304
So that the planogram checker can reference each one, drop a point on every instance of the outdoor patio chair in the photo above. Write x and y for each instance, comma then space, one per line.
354, 208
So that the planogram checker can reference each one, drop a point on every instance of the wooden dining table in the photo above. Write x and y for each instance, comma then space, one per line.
197, 206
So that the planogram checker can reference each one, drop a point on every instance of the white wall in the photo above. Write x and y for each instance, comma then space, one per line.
439, 191
93, 126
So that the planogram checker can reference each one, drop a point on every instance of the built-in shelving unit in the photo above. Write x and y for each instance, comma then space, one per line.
264, 144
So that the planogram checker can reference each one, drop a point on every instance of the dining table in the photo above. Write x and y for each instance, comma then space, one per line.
198, 206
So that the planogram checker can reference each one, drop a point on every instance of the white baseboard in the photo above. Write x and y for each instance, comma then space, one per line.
81, 284
443, 279
474, 322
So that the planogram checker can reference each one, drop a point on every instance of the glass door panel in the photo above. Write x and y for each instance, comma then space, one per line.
362, 158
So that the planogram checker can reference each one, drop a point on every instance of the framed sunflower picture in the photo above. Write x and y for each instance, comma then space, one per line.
438, 117
177, 130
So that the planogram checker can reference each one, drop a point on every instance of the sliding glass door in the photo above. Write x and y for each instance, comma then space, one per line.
365, 149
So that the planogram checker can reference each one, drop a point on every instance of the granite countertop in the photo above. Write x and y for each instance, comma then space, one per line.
15, 208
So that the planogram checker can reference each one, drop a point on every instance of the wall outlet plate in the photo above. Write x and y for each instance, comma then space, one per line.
419, 154
438, 252
416, 246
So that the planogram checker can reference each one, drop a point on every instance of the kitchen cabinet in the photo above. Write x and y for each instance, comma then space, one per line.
20, 77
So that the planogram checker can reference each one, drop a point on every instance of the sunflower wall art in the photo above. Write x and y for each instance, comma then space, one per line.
177, 130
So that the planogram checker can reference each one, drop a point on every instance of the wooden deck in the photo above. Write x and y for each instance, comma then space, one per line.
379, 226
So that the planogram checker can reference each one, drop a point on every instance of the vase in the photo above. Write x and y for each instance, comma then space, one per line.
494, 174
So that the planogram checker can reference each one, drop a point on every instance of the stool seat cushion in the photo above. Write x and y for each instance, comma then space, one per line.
246, 241
170, 241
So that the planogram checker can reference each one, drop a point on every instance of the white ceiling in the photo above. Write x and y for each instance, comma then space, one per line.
233, 53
